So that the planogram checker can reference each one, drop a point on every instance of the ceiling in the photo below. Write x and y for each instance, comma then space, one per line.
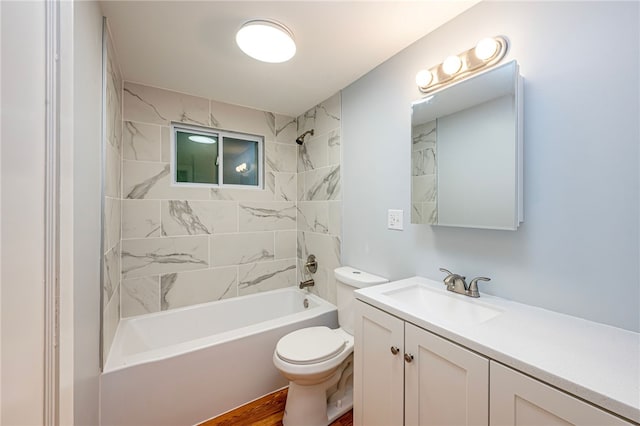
189, 46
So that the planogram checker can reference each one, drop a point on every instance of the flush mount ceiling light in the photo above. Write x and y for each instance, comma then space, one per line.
489, 51
266, 41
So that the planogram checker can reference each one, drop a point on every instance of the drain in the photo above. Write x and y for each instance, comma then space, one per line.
306, 303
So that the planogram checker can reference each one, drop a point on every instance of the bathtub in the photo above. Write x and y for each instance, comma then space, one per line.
186, 365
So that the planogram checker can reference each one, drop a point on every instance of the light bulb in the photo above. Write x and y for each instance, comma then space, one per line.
486, 48
451, 65
424, 78
201, 139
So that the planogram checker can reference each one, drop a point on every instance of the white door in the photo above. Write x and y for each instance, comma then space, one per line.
378, 374
445, 384
520, 400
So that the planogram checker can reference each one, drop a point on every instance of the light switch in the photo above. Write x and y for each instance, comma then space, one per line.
394, 219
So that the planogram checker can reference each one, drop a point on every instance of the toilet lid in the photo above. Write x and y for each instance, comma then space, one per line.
310, 345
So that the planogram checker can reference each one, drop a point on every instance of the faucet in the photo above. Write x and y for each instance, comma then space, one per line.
307, 283
457, 284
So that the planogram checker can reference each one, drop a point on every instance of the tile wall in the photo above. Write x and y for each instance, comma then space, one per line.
183, 246
423, 174
319, 195
112, 200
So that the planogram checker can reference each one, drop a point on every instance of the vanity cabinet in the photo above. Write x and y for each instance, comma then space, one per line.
517, 399
407, 375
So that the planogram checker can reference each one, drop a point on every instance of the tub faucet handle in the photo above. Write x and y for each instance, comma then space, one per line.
312, 264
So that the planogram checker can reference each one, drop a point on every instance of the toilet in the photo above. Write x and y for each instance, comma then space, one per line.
318, 361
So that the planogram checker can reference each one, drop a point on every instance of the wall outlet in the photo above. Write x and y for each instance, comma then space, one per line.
394, 220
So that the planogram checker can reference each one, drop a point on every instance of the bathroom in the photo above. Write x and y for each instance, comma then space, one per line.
575, 253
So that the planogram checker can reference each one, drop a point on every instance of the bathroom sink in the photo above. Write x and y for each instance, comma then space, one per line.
438, 305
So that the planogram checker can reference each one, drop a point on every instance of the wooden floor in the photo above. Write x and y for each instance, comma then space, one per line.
266, 411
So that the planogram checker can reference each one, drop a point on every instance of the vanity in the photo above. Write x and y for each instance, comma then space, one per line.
428, 356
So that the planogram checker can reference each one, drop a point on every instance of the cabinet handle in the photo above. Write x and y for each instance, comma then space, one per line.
408, 357
395, 350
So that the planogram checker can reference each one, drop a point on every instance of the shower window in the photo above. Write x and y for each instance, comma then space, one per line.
215, 158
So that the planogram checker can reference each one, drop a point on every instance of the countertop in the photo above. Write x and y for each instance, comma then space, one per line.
593, 361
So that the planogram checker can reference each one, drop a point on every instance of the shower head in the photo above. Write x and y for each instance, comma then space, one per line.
300, 139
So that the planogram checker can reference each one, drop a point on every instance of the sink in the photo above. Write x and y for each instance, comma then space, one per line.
448, 307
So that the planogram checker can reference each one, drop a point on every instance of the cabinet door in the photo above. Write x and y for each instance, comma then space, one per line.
378, 374
520, 400
445, 384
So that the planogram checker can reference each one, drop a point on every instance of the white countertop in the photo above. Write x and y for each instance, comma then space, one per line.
596, 362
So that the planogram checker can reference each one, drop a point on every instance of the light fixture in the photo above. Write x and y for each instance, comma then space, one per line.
489, 51
451, 65
201, 139
241, 168
266, 41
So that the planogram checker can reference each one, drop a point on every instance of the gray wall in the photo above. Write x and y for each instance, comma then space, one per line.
577, 251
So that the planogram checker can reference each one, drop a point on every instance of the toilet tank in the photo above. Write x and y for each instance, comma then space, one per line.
349, 280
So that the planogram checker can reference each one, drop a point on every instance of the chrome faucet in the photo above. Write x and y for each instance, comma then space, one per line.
457, 284
307, 283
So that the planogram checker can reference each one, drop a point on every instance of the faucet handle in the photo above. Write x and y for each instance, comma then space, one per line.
473, 286
446, 271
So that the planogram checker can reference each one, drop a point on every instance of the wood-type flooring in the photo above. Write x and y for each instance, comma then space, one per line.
266, 411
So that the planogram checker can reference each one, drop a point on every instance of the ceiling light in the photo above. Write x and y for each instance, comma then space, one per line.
451, 65
201, 139
486, 48
266, 41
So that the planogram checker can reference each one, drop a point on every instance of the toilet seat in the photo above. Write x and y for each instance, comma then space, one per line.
310, 346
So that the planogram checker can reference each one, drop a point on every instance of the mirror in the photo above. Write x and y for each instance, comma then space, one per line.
466, 153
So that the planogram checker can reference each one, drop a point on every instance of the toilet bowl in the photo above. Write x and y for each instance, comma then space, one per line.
318, 361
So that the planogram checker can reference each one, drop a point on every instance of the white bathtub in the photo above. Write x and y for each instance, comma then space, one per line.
187, 365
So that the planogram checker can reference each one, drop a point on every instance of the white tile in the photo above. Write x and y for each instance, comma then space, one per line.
313, 154
165, 143
140, 296
323, 184
313, 216
326, 248
249, 194
112, 217
423, 188
140, 218
285, 244
333, 141
111, 274
224, 216
300, 185
112, 173
189, 288
286, 129
186, 217
423, 136
281, 157
110, 320
286, 187
306, 121
257, 277
241, 119
328, 115
335, 217
153, 256
266, 216
141, 141
146, 180
235, 249
147, 104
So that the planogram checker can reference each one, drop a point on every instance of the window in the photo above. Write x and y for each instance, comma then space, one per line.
208, 157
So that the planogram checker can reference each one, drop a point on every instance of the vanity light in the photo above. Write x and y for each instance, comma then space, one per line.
489, 51
201, 139
241, 168
266, 41
451, 65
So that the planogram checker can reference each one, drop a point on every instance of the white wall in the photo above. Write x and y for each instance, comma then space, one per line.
577, 250
22, 200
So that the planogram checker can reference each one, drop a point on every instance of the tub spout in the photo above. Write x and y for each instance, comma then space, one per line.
307, 283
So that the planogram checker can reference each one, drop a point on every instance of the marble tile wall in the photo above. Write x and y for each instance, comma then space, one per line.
183, 246
113, 199
319, 195
423, 174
